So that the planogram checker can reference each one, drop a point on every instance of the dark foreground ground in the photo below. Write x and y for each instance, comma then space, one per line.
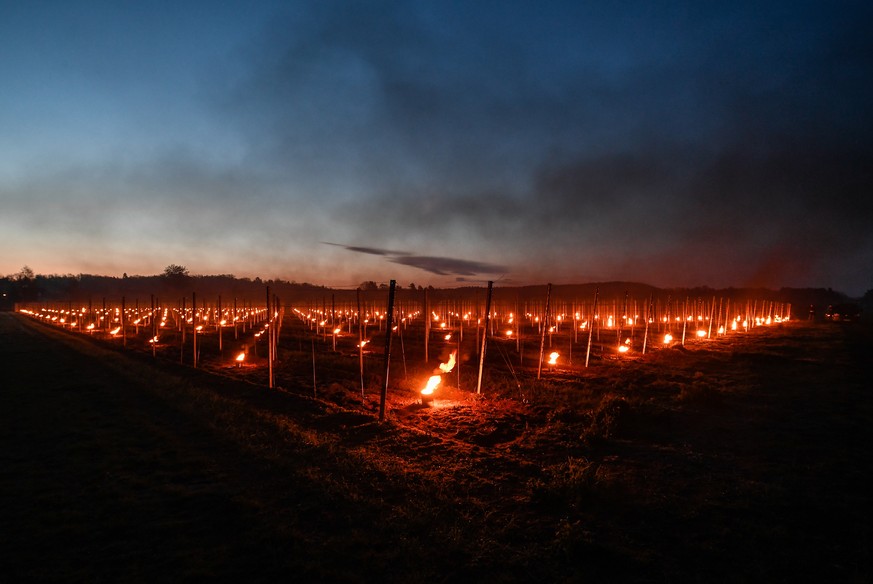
730, 462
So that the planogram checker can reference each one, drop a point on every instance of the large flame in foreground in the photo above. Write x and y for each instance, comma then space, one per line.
436, 378
553, 358
432, 384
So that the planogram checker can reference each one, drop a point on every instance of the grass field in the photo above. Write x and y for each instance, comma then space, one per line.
725, 461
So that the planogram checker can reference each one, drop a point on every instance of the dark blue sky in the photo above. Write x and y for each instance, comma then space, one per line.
675, 143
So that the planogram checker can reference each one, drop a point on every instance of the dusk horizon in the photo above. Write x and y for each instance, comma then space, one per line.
676, 144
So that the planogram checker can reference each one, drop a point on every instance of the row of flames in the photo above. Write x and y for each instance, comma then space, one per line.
72, 319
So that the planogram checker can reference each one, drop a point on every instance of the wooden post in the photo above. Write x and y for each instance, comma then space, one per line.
426, 324
684, 320
152, 321
484, 337
517, 322
194, 323
543, 333
270, 328
182, 323
591, 327
314, 386
218, 324
384, 395
711, 315
648, 316
360, 341
458, 354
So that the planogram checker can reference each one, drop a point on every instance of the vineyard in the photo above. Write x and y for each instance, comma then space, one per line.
668, 439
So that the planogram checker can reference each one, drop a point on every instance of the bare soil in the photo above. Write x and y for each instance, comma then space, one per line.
729, 460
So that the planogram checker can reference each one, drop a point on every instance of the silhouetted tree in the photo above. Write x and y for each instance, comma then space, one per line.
175, 271
25, 273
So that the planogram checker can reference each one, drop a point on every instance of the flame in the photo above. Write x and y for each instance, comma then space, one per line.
701, 333
553, 358
668, 338
114, 331
625, 347
436, 378
448, 365
431, 384
241, 357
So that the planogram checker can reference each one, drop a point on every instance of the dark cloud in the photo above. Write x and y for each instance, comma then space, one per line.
441, 266
369, 250
449, 266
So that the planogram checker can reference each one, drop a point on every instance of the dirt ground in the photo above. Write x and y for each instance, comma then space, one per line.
730, 460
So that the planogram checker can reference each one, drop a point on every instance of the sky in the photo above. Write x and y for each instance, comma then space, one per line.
445, 143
